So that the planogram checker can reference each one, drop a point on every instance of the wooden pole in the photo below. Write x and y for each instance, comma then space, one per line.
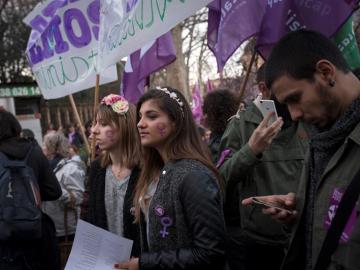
48, 116
243, 87
78, 120
58, 117
96, 104
67, 117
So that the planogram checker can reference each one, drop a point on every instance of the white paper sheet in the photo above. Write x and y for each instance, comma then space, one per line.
97, 249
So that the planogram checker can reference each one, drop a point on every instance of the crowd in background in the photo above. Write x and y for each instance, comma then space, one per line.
184, 192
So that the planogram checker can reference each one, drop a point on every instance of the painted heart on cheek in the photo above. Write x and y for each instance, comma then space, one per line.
110, 135
161, 128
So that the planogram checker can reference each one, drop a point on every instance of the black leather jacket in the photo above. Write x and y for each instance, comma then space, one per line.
187, 204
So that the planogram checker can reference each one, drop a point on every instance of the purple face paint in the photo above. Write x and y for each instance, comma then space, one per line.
161, 127
110, 135
335, 199
166, 222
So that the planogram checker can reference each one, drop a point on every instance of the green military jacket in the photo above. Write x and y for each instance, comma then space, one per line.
276, 172
337, 176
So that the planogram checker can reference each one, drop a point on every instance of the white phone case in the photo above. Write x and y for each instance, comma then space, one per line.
267, 106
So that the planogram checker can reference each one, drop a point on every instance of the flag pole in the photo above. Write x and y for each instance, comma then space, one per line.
78, 119
243, 86
96, 104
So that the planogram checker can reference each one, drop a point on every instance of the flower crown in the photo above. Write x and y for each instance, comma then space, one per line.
117, 103
174, 96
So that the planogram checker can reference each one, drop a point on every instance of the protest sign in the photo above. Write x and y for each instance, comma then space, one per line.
127, 25
62, 47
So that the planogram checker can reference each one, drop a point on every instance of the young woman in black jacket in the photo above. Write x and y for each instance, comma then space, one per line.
113, 176
178, 200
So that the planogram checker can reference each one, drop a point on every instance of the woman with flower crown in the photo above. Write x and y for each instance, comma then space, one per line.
113, 175
178, 200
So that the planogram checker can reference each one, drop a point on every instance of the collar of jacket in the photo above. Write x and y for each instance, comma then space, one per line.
252, 114
355, 134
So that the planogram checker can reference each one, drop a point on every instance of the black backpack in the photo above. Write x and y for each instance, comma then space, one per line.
20, 202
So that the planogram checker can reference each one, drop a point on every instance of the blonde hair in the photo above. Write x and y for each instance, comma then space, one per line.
56, 144
129, 139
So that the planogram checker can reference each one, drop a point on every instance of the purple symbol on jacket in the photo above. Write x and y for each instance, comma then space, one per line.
166, 222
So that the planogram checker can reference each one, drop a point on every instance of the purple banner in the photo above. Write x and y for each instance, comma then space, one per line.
285, 16
230, 24
233, 22
197, 104
143, 62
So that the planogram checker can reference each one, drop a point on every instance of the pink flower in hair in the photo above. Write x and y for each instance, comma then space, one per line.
118, 103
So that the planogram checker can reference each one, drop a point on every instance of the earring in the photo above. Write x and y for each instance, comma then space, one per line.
332, 83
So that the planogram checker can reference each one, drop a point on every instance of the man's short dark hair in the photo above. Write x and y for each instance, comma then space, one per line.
297, 53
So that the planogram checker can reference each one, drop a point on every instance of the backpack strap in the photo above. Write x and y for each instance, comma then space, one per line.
28, 153
3, 157
338, 223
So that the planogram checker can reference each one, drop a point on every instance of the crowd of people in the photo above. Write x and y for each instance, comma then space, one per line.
186, 198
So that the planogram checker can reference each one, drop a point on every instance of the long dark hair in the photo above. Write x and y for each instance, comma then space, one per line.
184, 143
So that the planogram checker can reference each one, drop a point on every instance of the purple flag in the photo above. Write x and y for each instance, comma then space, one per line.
230, 23
282, 17
142, 63
197, 104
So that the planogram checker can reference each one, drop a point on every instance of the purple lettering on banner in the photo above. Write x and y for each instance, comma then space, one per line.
50, 9
52, 38
85, 35
35, 55
93, 12
335, 199
61, 45
130, 4
38, 23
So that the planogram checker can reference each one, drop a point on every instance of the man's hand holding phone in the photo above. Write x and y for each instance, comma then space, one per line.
264, 134
279, 207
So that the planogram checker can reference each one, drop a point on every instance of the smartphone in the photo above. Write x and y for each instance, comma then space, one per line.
268, 205
267, 106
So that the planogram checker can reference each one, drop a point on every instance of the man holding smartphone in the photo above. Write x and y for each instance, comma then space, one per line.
259, 158
307, 72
